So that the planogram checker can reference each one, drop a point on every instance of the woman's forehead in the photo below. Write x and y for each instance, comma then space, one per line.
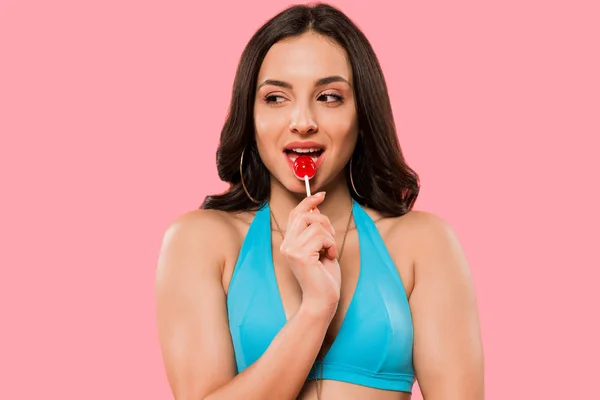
305, 58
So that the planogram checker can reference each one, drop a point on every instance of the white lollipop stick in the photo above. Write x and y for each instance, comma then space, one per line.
307, 185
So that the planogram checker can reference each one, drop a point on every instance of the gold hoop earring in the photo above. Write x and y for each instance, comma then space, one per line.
352, 180
242, 180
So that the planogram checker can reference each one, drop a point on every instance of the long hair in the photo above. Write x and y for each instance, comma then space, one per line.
379, 171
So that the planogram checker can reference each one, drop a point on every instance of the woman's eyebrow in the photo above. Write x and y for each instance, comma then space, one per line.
320, 82
331, 79
275, 83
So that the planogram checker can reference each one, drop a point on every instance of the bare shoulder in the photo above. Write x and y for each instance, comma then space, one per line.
416, 229
424, 226
203, 221
432, 240
416, 220
200, 223
208, 231
432, 232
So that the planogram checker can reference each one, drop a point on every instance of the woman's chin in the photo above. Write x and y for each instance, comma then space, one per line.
293, 184
298, 187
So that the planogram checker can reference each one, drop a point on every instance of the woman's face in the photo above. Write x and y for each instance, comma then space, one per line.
305, 101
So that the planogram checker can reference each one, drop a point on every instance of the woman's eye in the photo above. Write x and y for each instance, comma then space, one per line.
326, 97
274, 99
330, 98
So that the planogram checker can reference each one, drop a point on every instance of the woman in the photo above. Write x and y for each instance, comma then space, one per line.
265, 293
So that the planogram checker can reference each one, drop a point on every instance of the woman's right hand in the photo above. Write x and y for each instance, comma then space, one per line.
310, 251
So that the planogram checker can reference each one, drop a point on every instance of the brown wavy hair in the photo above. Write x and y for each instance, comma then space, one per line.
380, 173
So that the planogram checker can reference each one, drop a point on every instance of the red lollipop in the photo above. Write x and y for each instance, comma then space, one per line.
304, 166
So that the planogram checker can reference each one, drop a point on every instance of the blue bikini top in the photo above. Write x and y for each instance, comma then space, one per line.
374, 346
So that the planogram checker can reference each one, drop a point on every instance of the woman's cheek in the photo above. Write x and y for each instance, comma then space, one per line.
269, 123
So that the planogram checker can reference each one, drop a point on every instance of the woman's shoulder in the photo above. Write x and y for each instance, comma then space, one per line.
200, 224
210, 226
434, 246
421, 222
417, 222
211, 231
418, 230
428, 230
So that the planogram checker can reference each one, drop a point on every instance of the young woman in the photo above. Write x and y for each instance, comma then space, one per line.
265, 293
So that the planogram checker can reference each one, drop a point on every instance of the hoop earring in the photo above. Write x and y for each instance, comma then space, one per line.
352, 180
242, 180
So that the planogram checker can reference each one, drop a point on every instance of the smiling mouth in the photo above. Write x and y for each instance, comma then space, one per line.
312, 153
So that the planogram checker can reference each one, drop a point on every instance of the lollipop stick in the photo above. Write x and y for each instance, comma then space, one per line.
307, 185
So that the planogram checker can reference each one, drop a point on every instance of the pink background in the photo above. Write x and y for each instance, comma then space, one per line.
110, 113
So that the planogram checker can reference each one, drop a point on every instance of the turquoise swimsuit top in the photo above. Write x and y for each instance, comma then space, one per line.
374, 346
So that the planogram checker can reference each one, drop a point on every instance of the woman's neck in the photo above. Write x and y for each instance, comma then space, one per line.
336, 205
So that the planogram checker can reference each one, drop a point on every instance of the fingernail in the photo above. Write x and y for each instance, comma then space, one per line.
320, 194
332, 230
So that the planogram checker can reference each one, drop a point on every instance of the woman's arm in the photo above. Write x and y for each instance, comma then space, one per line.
193, 324
448, 353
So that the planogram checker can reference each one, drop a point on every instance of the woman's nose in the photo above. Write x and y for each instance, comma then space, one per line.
302, 121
